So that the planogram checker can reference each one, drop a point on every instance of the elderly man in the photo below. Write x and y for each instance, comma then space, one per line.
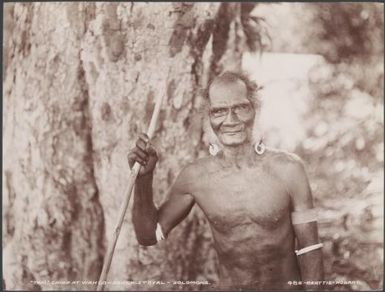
257, 200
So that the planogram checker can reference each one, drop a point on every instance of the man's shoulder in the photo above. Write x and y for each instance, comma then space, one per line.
192, 174
192, 170
284, 161
197, 166
291, 169
282, 156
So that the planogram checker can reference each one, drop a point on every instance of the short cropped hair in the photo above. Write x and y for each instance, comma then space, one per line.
232, 77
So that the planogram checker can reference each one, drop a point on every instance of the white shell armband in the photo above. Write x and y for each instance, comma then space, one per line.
308, 248
159, 233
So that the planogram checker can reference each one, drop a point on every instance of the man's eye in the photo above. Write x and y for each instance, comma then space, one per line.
242, 107
218, 111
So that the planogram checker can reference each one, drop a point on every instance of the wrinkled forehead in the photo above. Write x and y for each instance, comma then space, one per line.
227, 94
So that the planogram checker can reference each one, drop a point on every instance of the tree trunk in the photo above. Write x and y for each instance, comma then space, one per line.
80, 80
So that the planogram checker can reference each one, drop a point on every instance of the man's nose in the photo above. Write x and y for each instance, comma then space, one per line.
231, 118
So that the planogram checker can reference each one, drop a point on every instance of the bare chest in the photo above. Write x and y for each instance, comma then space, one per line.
236, 198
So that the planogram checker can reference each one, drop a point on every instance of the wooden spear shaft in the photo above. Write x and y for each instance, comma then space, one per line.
127, 195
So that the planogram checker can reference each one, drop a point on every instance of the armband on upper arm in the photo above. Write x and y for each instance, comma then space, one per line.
304, 216
308, 249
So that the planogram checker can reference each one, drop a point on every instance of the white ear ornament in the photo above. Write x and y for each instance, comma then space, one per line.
260, 148
213, 149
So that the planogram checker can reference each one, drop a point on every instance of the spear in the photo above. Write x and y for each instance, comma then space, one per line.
127, 195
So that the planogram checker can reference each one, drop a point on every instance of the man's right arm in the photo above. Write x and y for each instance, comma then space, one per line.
145, 215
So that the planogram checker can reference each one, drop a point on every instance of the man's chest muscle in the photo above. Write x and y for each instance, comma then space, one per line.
235, 198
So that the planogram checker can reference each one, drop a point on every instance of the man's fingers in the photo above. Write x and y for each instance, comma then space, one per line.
137, 155
140, 161
144, 137
142, 141
151, 150
141, 154
141, 144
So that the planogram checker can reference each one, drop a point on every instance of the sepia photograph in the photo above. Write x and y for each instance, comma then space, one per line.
193, 146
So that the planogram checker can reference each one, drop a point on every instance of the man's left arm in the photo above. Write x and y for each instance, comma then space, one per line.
309, 251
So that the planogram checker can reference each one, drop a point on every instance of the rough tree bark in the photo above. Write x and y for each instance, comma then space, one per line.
80, 80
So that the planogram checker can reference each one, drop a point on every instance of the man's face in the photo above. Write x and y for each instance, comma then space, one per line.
231, 113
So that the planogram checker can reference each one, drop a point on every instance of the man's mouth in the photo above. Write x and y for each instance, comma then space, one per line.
232, 132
